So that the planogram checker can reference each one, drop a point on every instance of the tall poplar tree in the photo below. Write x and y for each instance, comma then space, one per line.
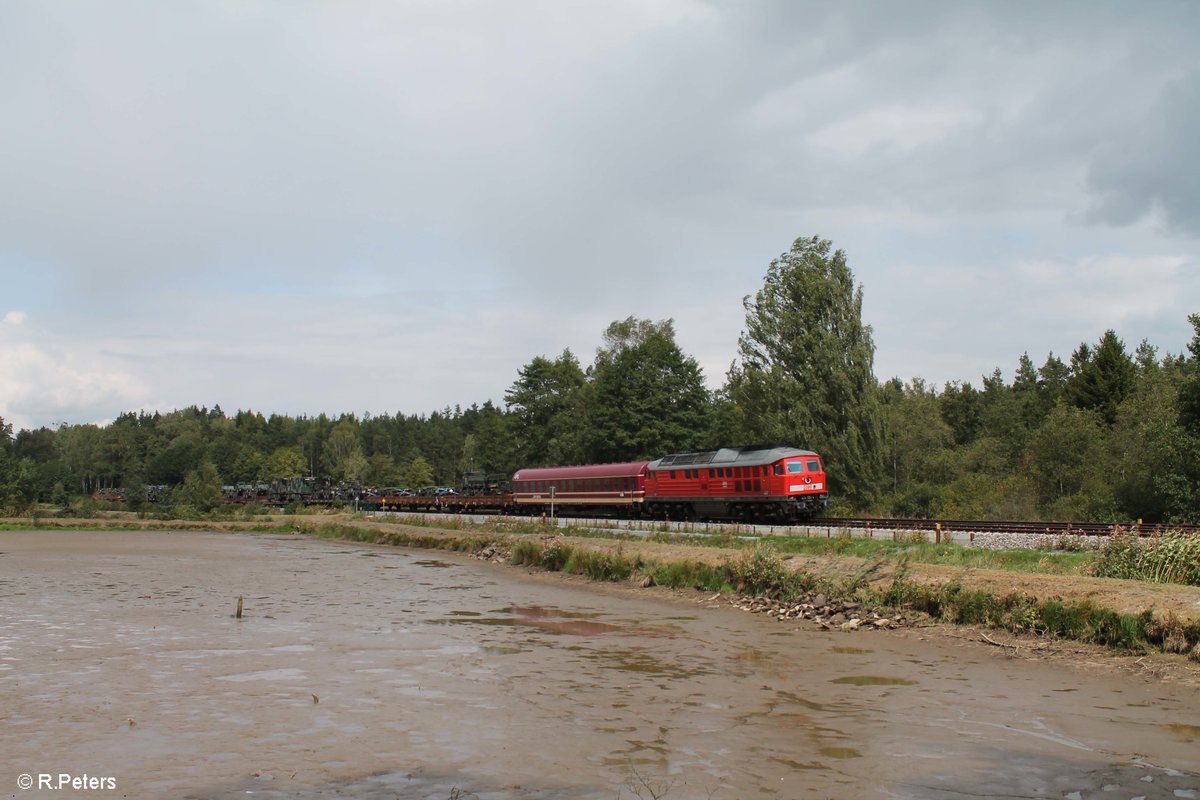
805, 375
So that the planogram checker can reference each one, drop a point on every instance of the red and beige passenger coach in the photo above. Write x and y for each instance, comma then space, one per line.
591, 488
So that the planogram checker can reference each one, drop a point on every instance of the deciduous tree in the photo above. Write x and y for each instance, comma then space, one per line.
646, 397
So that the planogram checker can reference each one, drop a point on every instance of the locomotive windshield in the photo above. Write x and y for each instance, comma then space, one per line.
795, 466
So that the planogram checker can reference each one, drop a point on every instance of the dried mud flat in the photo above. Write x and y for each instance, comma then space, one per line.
368, 671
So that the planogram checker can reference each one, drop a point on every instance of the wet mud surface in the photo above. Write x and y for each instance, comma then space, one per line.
362, 671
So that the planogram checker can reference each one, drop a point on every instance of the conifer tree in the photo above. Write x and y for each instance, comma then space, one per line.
545, 400
1103, 377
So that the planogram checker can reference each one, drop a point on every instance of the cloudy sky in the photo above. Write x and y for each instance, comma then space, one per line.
392, 206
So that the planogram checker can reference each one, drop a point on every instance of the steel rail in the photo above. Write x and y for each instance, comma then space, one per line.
1001, 526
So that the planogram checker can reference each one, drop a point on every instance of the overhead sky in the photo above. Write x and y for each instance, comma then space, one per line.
393, 206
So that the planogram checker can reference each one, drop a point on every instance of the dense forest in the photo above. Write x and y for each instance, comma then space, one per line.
1105, 435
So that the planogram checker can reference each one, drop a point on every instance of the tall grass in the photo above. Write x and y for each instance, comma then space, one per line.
1169, 557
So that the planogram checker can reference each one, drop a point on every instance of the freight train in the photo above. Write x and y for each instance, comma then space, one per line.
755, 484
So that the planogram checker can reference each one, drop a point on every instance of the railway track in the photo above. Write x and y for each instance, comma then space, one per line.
994, 526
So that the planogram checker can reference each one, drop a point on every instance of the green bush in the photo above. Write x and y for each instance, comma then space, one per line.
555, 557
600, 565
692, 575
526, 552
761, 571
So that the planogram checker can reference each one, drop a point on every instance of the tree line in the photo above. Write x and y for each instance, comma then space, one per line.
1107, 435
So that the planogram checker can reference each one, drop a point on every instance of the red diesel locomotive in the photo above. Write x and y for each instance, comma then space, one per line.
767, 484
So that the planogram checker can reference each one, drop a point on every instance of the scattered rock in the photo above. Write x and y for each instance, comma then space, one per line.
826, 614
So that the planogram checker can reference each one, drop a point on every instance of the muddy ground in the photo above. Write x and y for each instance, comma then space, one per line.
371, 671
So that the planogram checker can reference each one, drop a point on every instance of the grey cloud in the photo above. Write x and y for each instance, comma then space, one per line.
574, 162
1152, 167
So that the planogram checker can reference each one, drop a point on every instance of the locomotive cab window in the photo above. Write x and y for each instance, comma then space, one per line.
779, 469
795, 466
814, 465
